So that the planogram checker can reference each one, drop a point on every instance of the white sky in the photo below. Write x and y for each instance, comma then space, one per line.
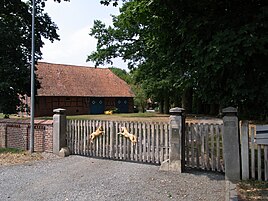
74, 19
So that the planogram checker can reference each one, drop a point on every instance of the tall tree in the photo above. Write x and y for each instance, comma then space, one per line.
140, 99
123, 74
15, 48
134, 39
217, 48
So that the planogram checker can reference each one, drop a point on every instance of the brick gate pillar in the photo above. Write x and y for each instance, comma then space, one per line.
59, 133
176, 161
231, 144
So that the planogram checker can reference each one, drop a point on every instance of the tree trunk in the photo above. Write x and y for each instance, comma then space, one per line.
161, 106
177, 101
199, 106
214, 109
187, 99
166, 105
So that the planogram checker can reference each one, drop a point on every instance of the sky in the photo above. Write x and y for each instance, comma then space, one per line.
74, 20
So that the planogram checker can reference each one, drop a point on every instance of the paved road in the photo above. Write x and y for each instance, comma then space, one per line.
76, 178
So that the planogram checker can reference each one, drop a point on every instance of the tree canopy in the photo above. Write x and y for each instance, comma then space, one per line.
140, 99
215, 50
15, 48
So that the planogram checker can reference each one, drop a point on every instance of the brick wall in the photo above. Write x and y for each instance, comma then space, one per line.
73, 105
16, 134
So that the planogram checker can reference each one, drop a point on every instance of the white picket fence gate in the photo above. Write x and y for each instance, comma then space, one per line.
203, 146
203, 142
152, 140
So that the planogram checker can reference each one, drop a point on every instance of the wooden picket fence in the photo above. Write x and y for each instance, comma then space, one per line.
152, 140
254, 157
203, 142
204, 147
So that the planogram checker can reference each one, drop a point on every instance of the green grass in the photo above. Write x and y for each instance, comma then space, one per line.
125, 115
44, 118
253, 190
2, 115
255, 184
100, 116
11, 116
10, 150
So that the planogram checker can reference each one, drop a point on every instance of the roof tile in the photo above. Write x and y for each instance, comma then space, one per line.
69, 80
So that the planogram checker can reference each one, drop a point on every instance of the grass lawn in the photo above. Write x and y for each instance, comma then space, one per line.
2, 115
147, 116
12, 116
140, 114
125, 115
252, 190
10, 150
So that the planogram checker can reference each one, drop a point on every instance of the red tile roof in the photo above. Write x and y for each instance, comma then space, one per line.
69, 80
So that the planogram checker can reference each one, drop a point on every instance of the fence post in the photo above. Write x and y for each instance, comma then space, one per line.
112, 138
244, 149
3, 136
176, 159
59, 133
231, 144
25, 131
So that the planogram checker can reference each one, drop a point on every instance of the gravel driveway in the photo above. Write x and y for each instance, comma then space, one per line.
77, 178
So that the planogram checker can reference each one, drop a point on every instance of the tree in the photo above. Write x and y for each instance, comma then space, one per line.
15, 48
215, 48
133, 40
140, 99
123, 74
107, 2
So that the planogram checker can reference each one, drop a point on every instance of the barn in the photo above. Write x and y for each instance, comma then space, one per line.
80, 90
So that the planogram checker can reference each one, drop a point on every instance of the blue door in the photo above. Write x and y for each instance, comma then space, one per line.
96, 106
122, 105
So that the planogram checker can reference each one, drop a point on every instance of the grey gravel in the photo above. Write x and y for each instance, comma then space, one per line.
77, 178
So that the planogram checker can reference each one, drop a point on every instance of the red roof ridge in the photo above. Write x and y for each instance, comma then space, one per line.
70, 65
